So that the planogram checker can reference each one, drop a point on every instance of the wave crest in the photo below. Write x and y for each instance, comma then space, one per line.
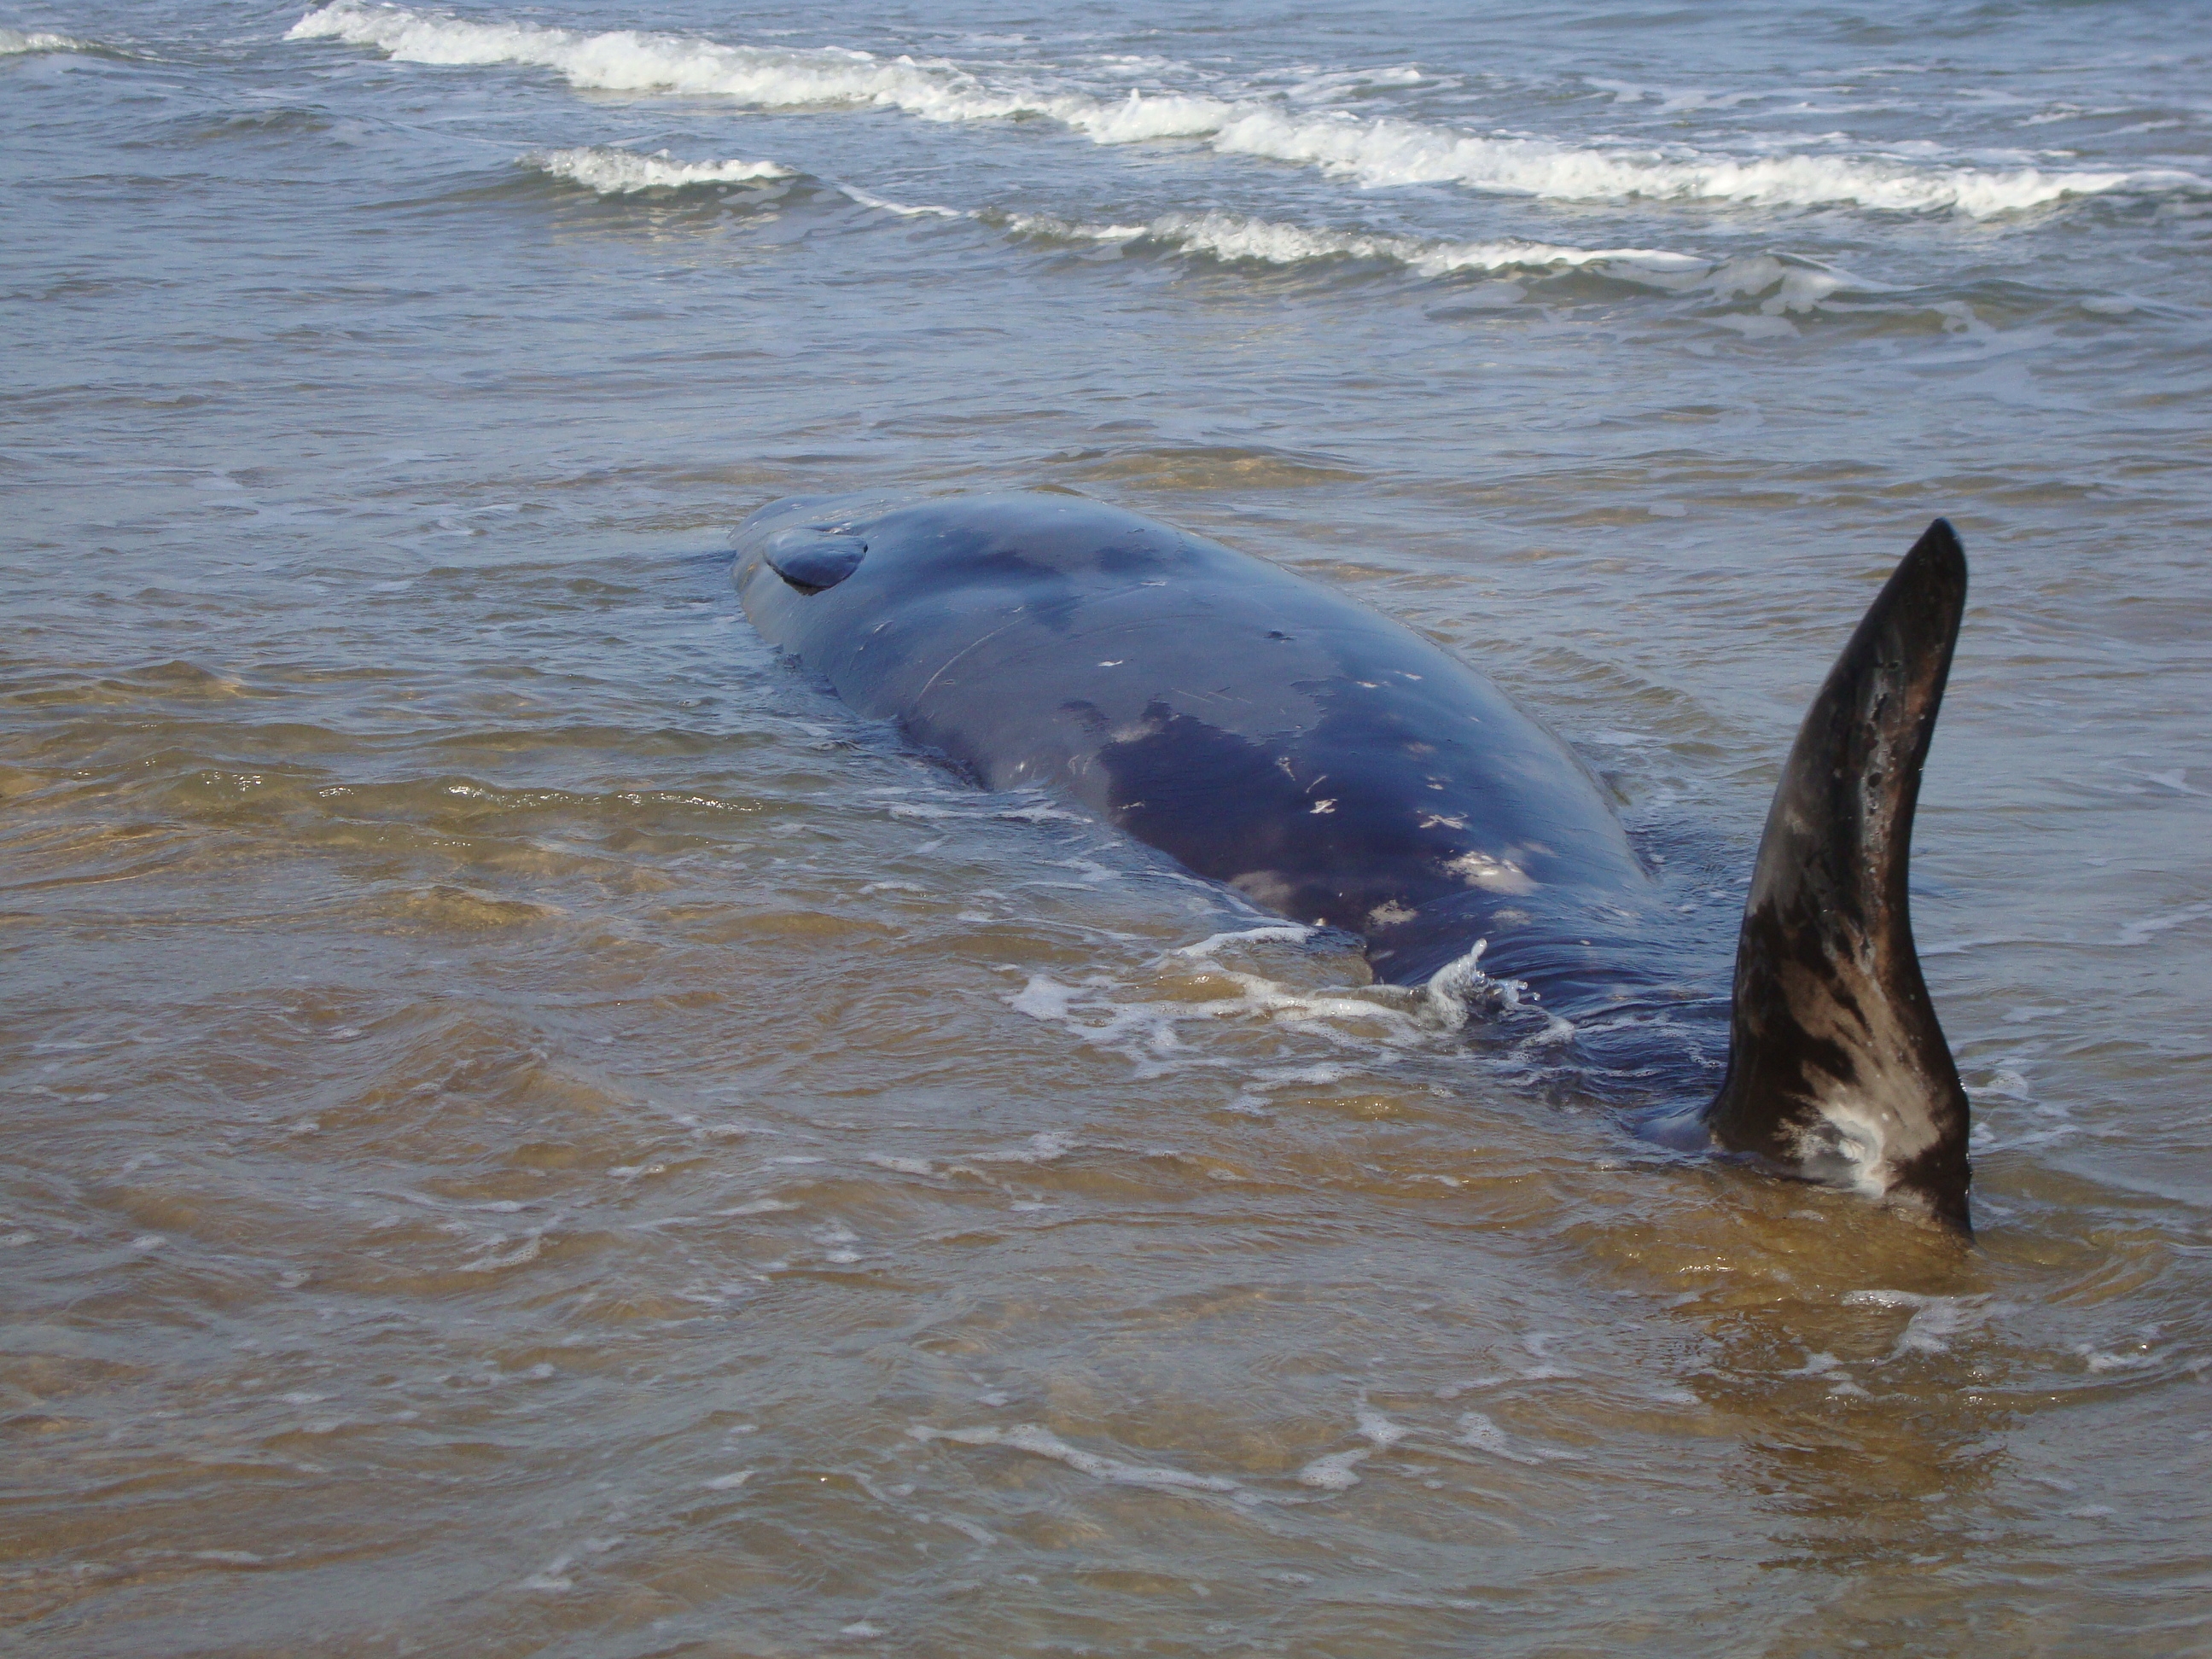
15, 42
625, 173
1391, 152
629, 60
1234, 238
1375, 152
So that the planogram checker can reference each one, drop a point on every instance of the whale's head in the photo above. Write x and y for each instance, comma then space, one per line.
813, 567
796, 550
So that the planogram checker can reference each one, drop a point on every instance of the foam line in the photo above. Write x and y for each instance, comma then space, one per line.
1372, 152
1392, 152
629, 60
15, 42
624, 173
1233, 238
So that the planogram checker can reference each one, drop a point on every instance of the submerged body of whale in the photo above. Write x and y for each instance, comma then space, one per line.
1335, 767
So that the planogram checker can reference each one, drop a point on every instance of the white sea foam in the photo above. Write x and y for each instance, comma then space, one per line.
911, 210
1291, 932
624, 173
1375, 1025
19, 41
1935, 1319
1041, 1148
14, 42
1379, 1431
1337, 1472
2098, 1361
1137, 117
1043, 998
1373, 152
1234, 238
630, 60
1787, 286
1394, 151
1477, 1431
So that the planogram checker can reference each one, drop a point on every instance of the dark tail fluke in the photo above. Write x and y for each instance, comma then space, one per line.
1837, 1070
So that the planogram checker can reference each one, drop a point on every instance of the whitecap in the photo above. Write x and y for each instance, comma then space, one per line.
1138, 118
1232, 237
15, 42
625, 173
631, 60
1236, 238
1388, 151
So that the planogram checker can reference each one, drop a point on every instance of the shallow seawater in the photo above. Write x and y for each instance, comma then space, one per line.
533, 1130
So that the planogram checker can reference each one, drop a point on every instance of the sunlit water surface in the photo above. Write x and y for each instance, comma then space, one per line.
531, 1130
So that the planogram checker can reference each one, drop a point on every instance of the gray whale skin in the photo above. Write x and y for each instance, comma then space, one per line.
1332, 766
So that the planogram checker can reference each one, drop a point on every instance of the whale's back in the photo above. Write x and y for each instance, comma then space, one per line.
1263, 729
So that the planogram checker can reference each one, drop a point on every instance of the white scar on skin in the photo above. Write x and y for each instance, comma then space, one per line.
1865, 1133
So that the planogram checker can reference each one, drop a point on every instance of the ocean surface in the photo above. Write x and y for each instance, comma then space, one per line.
531, 1129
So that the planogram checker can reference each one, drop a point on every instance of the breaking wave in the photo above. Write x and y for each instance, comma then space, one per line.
1394, 151
1234, 238
1782, 283
14, 42
1371, 151
1788, 283
624, 173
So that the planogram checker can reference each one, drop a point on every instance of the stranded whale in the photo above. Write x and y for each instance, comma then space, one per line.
1335, 767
